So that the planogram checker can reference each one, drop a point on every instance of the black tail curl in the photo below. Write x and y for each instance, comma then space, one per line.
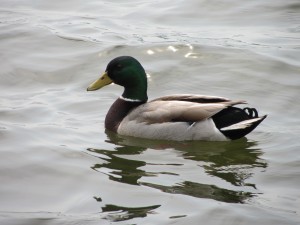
251, 112
234, 115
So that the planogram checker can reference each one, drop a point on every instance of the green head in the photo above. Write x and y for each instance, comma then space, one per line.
127, 72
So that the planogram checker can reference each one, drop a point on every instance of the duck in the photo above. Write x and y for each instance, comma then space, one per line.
178, 117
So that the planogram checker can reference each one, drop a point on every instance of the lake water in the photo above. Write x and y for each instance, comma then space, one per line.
59, 166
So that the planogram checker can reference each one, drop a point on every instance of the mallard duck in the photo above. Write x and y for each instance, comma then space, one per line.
175, 117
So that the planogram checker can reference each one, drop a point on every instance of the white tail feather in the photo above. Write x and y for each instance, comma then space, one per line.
241, 125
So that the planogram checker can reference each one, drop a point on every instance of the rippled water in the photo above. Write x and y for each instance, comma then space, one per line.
59, 166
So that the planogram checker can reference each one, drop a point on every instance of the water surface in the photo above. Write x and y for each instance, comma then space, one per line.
59, 166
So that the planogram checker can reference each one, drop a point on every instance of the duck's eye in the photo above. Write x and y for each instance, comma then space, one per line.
119, 66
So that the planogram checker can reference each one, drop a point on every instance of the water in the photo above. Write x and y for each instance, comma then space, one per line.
59, 166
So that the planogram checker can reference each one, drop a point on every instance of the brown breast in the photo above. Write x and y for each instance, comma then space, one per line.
119, 109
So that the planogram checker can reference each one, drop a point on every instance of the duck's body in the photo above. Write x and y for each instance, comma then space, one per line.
176, 117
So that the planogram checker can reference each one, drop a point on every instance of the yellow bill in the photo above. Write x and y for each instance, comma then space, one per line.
101, 82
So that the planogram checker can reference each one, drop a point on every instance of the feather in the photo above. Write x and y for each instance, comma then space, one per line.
241, 125
193, 98
178, 131
167, 111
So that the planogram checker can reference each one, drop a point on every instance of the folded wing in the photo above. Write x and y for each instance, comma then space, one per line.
188, 108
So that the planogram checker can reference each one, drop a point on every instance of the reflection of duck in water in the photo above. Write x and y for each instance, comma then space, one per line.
175, 117
233, 162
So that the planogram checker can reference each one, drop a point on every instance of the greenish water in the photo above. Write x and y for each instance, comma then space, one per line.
59, 166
